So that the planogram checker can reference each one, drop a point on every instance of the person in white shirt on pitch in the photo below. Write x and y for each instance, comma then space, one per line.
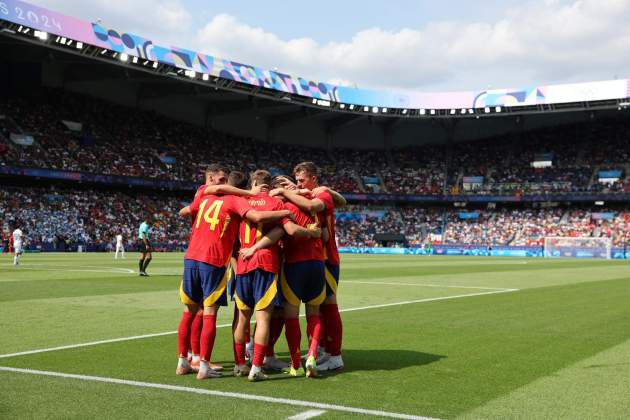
119, 246
17, 244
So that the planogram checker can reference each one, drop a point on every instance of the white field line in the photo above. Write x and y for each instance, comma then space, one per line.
214, 393
139, 337
85, 269
428, 285
307, 415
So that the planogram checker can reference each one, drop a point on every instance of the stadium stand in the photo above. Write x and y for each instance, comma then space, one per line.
74, 132
61, 218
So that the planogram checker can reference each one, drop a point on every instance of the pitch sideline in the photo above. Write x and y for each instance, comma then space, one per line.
214, 393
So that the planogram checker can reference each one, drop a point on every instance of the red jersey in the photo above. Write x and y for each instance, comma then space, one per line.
267, 259
302, 249
331, 254
200, 190
215, 228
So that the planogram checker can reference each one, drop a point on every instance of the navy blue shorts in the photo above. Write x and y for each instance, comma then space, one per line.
203, 284
257, 290
304, 281
332, 279
231, 279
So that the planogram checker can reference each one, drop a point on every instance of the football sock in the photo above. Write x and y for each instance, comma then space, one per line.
259, 354
195, 333
183, 334
208, 334
314, 324
140, 265
146, 263
293, 335
334, 328
239, 354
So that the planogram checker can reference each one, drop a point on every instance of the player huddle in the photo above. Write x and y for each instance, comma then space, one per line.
286, 255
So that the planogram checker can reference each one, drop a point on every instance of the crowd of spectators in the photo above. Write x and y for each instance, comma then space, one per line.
62, 219
80, 133
58, 218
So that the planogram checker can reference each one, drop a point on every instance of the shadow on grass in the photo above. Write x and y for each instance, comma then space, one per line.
364, 360
368, 360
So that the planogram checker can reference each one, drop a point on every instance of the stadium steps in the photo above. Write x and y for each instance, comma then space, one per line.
380, 178
594, 177
359, 180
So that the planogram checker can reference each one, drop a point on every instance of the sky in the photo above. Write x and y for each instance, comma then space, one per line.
420, 45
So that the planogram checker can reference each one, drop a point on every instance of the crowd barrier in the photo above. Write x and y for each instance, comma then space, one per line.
485, 251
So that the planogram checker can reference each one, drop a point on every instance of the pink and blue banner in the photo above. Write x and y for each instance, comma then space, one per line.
137, 46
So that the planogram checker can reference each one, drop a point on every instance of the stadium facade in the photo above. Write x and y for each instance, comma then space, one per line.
43, 49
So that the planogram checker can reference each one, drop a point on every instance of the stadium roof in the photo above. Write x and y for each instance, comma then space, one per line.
270, 105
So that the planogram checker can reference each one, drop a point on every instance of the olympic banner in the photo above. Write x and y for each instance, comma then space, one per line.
137, 46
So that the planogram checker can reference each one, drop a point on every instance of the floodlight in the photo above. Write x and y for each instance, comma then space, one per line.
205, 77
124, 57
497, 109
404, 111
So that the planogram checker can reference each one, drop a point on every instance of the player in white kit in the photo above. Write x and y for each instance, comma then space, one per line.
18, 236
119, 246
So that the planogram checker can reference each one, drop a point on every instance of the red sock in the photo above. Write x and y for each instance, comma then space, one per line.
309, 330
334, 327
294, 335
239, 353
183, 334
314, 324
275, 329
259, 354
208, 334
323, 332
195, 334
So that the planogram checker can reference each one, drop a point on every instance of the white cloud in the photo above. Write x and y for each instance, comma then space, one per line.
539, 42
163, 20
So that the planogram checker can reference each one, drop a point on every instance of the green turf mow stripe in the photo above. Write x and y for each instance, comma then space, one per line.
214, 393
605, 375
138, 337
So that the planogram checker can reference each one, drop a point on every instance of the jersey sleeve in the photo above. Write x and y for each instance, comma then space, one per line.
240, 206
327, 199
297, 214
194, 206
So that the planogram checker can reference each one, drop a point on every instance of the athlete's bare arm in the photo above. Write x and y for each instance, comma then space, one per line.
276, 233
225, 189
314, 205
266, 241
265, 216
185, 211
338, 199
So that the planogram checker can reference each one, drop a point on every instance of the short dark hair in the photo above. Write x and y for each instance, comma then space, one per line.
237, 179
260, 177
309, 167
214, 168
276, 181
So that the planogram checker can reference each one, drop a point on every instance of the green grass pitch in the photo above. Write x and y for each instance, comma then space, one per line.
439, 337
